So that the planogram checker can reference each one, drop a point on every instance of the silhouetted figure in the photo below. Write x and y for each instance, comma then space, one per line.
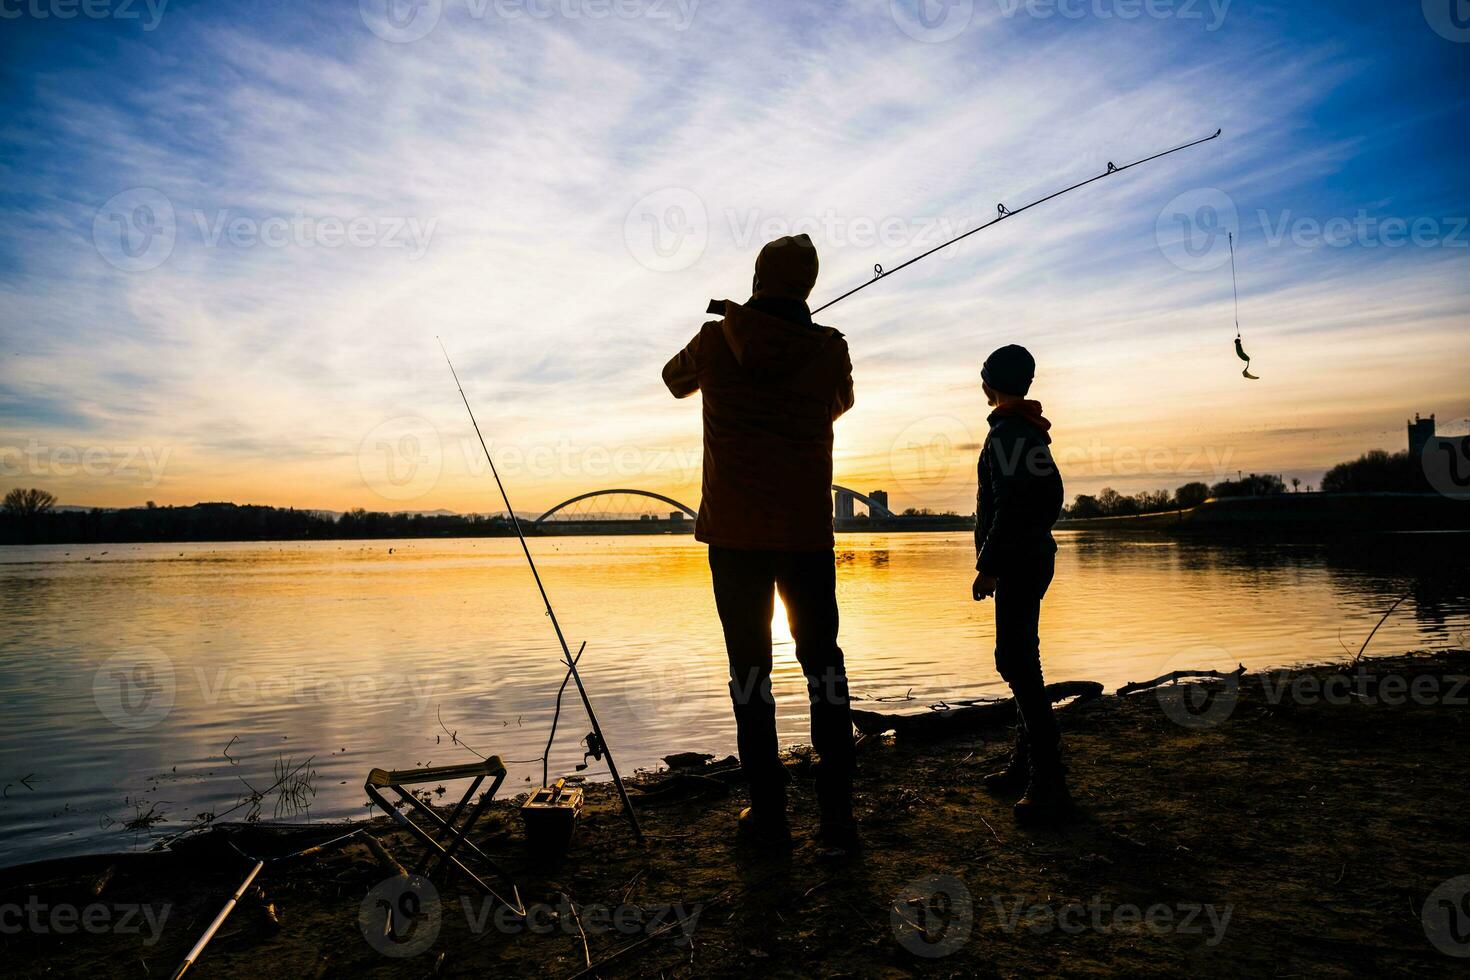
1019, 499
773, 383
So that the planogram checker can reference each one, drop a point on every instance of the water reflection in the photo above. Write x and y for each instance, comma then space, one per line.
352, 655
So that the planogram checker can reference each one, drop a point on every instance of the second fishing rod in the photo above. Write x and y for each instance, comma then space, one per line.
600, 748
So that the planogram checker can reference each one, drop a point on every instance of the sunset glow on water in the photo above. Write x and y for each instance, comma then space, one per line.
353, 653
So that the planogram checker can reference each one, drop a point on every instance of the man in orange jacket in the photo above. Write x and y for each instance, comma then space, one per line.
773, 384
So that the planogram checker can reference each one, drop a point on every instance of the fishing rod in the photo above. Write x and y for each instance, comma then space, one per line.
1003, 213
600, 748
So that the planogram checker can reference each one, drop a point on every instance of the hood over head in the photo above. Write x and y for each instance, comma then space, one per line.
786, 269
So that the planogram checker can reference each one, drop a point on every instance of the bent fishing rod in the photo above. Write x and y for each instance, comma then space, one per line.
568, 659
1003, 212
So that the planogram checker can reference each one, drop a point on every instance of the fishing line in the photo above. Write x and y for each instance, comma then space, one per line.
1004, 212
568, 659
1235, 287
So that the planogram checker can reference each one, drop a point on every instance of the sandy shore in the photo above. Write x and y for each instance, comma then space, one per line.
1300, 822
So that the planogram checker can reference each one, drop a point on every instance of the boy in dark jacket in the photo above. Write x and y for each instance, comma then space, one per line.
773, 383
1019, 499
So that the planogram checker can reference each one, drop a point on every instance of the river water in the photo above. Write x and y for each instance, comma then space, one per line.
170, 679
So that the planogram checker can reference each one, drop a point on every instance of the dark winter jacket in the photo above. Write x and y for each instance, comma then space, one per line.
1020, 493
773, 384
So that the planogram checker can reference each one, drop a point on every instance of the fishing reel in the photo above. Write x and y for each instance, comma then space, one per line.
595, 750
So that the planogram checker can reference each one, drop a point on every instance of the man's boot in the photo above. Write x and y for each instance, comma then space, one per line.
837, 835
764, 821
1047, 799
1017, 773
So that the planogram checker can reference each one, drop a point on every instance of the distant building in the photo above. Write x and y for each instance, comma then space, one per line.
880, 499
676, 515
1421, 434
844, 505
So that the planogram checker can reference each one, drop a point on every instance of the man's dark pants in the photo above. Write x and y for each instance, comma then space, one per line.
745, 582
1018, 595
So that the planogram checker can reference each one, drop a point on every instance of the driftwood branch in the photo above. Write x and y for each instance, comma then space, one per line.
1175, 676
963, 721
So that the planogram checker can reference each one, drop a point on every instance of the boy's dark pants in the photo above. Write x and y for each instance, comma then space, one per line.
745, 582
1018, 595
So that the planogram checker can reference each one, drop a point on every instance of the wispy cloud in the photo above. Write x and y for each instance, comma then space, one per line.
338, 200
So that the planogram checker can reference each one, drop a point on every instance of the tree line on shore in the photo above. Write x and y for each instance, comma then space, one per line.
23, 524
1373, 472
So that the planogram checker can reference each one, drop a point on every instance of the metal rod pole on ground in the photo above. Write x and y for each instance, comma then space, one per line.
219, 920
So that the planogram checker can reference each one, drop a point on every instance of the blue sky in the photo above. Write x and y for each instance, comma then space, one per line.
231, 232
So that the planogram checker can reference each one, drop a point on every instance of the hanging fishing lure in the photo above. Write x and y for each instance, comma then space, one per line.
1239, 347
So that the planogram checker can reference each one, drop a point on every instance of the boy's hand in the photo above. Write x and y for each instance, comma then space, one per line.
984, 586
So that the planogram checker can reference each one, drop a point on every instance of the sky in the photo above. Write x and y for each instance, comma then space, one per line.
230, 233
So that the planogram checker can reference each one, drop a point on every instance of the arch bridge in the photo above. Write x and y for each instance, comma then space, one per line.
570, 506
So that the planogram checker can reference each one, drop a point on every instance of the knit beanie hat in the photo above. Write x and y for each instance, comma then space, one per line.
1010, 370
